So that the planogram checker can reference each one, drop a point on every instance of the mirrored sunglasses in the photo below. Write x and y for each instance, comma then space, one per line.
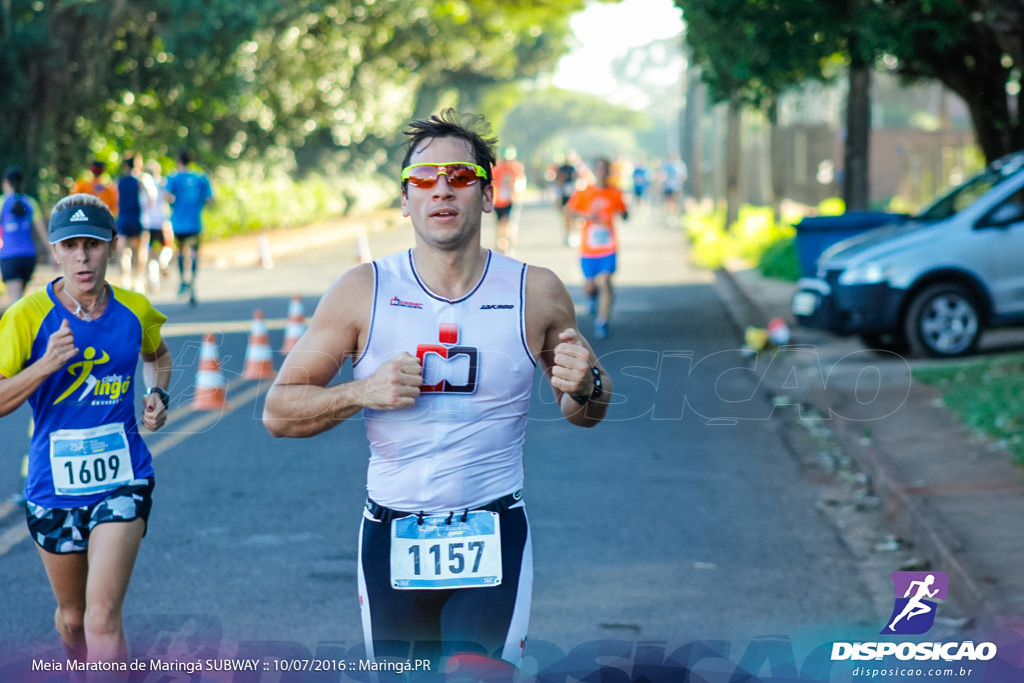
459, 174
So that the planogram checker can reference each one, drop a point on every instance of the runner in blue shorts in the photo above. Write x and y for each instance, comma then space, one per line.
598, 205
71, 352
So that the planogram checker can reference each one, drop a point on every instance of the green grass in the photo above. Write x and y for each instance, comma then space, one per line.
780, 261
986, 394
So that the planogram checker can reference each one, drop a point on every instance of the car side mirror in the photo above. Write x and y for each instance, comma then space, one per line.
1003, 215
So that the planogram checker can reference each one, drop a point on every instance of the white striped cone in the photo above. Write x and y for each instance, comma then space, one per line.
296, 324
259, 362
363, 254
211, 385
266, 254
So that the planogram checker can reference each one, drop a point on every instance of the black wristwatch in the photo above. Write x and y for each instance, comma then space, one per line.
164, 396
595, 393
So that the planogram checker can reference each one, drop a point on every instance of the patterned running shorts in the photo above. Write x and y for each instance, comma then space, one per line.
66, 530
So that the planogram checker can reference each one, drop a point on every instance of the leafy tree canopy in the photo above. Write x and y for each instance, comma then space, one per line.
286, 82
757, 48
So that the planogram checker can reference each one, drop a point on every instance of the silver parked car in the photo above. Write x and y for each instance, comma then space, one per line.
932, 283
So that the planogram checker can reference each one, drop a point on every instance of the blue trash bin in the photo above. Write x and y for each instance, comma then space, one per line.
815, 234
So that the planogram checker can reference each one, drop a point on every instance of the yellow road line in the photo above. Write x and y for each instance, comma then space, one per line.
19, 532
219, 327
207, 418
12, 537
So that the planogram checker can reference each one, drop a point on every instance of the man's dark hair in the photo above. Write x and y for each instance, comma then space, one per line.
473, 128
185, 157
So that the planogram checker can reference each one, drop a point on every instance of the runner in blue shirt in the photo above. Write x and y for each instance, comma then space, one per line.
19, 216
188, 193
71, 352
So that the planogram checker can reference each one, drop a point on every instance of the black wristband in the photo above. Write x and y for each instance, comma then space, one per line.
164, 396
595, 393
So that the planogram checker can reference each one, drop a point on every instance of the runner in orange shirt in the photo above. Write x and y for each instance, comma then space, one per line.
96, 186
598, 205
509, 178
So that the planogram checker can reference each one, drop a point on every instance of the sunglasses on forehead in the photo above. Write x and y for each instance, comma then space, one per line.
459, 174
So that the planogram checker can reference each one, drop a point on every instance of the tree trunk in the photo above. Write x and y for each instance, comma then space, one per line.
997, 128
856, 192
775, 164
978, 73
692, 151
732, 162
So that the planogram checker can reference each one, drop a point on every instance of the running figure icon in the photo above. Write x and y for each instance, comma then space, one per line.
921, 589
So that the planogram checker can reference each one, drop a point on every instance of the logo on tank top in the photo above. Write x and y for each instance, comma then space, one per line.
447, 367
395, 301
106, 390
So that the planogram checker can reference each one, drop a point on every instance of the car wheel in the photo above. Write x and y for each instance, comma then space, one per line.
891, 342
943, 321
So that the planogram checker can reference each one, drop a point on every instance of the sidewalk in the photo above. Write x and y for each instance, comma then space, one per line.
957, 499
249, 250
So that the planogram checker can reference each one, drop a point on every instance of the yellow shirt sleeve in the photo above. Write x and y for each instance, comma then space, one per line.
150, 319
18, 329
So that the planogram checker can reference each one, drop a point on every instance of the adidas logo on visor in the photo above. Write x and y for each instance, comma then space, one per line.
79, 216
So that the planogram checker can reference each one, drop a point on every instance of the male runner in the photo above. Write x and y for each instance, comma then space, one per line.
444, 339
598, 204
189, 193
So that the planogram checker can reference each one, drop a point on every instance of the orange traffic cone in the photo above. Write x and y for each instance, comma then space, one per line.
258, 361
296, 324
211, 386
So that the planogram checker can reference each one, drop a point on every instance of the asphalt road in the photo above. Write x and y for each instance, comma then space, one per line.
684, 517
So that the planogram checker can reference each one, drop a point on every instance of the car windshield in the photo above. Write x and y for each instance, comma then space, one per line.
962, 196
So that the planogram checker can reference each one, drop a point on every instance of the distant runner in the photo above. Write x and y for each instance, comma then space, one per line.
189, 193
598, 205
509, 180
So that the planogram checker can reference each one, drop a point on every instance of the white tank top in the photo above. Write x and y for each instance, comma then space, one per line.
461, 444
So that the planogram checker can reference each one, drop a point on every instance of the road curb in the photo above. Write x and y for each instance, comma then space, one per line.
913, 520
937, 543
250, 250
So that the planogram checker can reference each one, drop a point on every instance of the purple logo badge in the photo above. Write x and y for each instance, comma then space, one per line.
914, 610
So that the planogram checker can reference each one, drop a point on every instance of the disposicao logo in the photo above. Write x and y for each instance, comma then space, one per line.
913, 613
914, 610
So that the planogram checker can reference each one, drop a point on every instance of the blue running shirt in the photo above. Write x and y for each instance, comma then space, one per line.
190, 190
16, 231
96, 389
